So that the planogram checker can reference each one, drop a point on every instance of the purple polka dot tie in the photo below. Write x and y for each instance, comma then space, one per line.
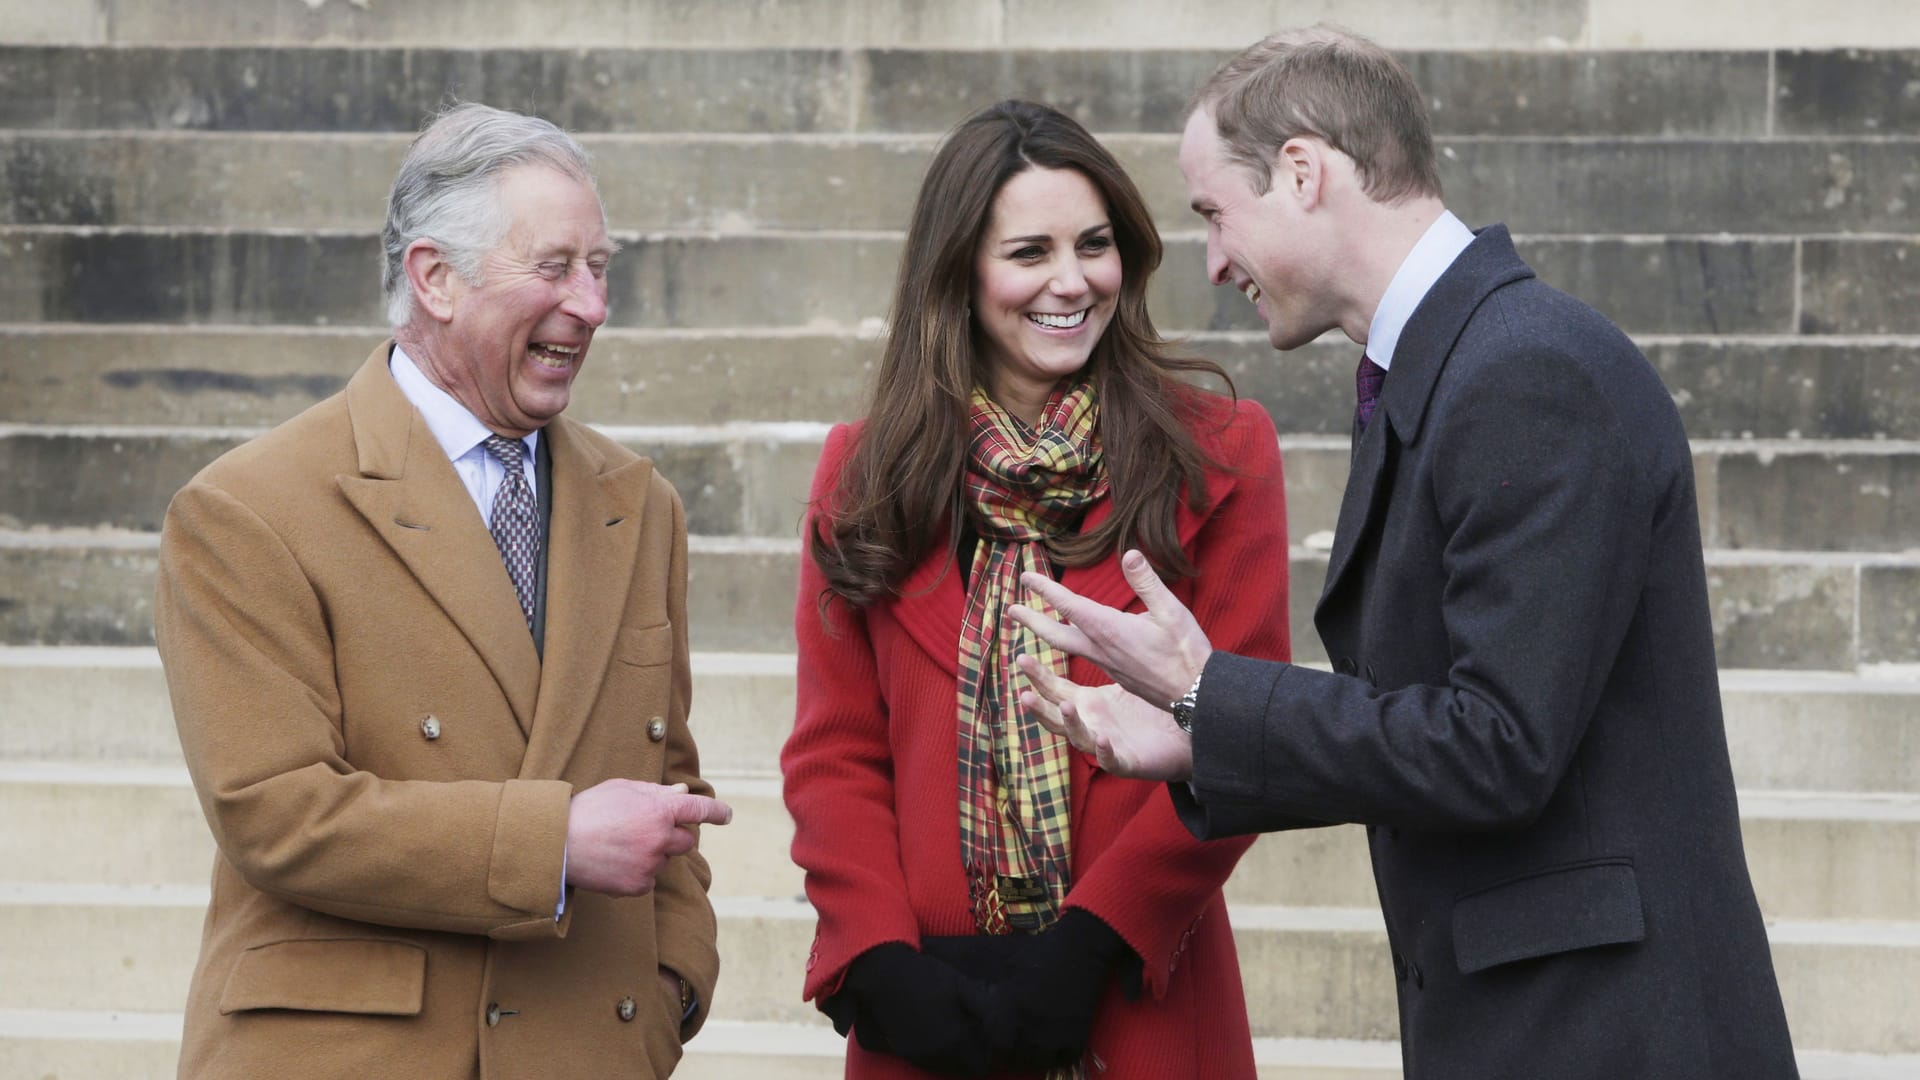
516, 520
1367, 379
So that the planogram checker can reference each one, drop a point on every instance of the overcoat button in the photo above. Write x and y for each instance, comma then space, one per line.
625, 1009
1399, 967
493, 1015
1346, 666
657, 728
430, 727
1419, 980
1370, 676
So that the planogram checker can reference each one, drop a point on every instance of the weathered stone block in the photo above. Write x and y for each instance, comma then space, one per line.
396, 89
1890, 614
77, 595
1818, 501
740, 599
1783, 616
1867, 286
1792, 389
707, 476
210, 179
71, 374
252, 278
727, 281
1851, 91
1593, 93
61, 481
594, 23
1674, 285
1681, 186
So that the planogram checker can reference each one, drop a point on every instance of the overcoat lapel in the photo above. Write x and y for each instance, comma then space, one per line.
593, 543
409, 494
1487, 264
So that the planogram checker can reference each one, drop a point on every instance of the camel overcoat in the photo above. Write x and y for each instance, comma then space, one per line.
386, 761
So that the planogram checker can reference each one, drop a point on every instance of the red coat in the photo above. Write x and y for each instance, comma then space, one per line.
870, 775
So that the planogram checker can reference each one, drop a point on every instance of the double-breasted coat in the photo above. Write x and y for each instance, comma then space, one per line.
386, 761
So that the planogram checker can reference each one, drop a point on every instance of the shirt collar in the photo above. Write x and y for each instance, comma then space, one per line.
1436, 249
454, 428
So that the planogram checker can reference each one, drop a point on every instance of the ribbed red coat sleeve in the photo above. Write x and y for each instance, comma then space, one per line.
837, 771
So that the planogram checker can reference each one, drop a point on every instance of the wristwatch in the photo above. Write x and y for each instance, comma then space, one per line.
1184, 707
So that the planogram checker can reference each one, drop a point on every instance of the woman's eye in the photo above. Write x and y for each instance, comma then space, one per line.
1096, 243
1029, 253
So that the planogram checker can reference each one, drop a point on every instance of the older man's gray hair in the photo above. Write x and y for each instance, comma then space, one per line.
445, 190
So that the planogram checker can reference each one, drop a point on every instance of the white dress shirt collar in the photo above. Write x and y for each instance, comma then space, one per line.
454, 428
1436, 250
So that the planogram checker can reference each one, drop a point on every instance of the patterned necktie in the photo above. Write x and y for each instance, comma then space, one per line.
516, 520
1367, 379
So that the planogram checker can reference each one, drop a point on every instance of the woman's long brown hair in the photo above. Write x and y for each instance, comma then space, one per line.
900, 492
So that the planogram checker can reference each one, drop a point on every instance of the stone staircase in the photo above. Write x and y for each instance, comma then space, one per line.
192, 191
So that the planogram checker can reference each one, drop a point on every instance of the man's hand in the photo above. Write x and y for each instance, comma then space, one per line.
1156, 655
1128, 736
619, 832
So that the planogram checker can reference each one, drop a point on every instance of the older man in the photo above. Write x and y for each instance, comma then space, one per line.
1524, 708
427, 649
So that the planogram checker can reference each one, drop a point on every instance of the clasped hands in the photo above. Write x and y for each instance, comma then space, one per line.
968, 1006
1153, 657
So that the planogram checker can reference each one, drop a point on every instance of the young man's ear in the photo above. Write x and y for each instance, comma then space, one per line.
430, 276
1300, 169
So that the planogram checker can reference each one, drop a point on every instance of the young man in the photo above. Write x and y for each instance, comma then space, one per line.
1524, 706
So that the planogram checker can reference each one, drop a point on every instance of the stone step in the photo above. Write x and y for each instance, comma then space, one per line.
1787, 731
794, 88
1812, 856
108, 707
77, 375
145, 1046
1805, 611
73, 374
1718, 284
1316, 973
972, 24
751, 480
730, 183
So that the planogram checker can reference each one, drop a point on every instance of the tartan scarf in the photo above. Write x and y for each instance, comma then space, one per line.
1021, 487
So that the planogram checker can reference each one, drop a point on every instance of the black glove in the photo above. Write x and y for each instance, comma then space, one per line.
914, 1006
1043, 1010
986, 957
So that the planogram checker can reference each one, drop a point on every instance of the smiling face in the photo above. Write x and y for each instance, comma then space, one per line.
1045, 281
510, 346
1262, 244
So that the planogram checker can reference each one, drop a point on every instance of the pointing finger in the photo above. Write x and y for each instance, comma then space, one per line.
699, 809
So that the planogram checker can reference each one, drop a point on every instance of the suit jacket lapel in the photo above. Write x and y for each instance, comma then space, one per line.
408, 492
1488, 263
593, 541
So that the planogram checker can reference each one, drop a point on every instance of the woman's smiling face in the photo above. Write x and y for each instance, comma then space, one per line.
1045, 282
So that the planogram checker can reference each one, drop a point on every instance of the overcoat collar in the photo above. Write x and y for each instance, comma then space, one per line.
409, 493
1486, 265
933, 600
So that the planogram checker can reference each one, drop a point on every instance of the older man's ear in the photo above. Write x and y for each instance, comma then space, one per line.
431, 277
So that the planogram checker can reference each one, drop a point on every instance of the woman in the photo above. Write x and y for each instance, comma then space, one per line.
988, 899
